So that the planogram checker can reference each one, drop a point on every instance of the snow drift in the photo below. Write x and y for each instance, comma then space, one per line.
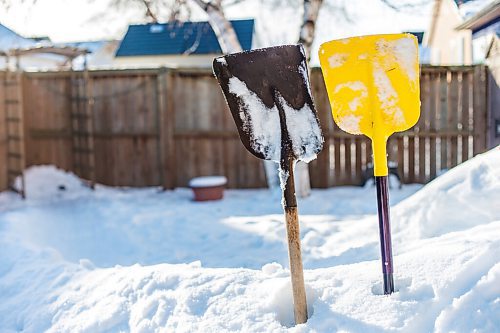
447, 254
464, 197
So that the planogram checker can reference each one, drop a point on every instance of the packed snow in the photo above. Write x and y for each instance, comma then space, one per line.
146, 260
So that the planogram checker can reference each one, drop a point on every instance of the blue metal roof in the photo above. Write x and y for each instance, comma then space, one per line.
179, 38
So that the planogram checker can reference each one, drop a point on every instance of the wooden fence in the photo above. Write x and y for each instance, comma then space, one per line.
451, 129
165, 126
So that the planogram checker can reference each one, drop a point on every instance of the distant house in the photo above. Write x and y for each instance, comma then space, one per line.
485, 29
176, 44
448, 46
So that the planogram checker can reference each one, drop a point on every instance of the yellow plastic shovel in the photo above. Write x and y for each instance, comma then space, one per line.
373, 87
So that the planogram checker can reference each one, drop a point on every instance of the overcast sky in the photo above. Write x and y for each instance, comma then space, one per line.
72, 20
63, 20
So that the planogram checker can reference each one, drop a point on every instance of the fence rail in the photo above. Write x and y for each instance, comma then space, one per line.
164, 126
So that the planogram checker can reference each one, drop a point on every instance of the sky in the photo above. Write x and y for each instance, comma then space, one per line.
61, 20
78, 20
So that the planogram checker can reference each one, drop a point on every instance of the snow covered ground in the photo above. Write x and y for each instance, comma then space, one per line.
142, 260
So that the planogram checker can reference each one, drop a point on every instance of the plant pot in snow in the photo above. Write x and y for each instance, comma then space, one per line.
208, 188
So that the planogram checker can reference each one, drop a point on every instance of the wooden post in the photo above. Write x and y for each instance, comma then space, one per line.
166, 129
480, 111
89, 111
160, 121
3, 137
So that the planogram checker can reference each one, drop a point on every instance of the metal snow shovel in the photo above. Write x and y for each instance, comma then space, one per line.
268, 93
373, 87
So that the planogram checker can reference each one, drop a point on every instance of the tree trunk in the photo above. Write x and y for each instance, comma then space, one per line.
229, 43
223, 29
311, 11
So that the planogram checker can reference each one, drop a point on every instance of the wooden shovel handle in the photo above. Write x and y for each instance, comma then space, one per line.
293, 236
296, 269
287, 163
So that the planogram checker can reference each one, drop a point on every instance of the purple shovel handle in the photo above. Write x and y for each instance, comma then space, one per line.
385, 233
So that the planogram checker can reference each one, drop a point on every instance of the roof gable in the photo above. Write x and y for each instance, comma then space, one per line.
488, 16
179, 38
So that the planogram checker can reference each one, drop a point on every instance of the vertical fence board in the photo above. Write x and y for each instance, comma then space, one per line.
465, 116
453, 102
411, 160
480, 110
3, 136
358, 175
442, 118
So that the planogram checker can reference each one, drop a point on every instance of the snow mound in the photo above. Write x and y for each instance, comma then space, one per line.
47, 182
461, 198
222, 267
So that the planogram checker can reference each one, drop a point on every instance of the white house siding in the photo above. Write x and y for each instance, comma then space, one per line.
448, 45
197, 61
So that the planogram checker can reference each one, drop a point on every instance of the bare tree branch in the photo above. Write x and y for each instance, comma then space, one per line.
311, 11
149, 11
223, 29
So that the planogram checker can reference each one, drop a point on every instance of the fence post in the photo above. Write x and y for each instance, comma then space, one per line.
3, 138
160, 106
480, 112
493, 79
166, 130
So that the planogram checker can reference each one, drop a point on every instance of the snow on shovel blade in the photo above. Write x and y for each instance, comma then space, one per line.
257, 84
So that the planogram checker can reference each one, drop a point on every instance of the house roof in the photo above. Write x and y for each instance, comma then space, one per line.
418, 34
9, 39
484, 18
179, 38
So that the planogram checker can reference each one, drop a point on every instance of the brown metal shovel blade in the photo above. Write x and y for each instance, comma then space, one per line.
268, 93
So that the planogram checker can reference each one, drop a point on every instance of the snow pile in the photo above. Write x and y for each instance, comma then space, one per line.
50, 182
69, 265
464, 197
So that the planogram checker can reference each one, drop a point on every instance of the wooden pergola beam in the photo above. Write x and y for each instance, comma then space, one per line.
69, 52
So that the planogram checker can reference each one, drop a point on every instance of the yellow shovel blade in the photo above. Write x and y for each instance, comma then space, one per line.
373, 87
